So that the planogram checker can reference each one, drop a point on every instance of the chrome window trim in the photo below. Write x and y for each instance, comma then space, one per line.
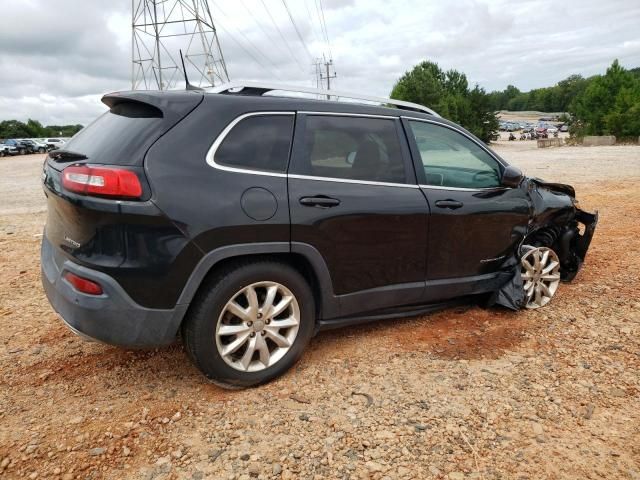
210, 157
348, 180
345, 114
461, 189
450, 127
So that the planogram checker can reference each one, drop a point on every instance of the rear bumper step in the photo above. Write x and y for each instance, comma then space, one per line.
112, 317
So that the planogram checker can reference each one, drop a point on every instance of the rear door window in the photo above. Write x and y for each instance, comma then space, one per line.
352, 148
260, 142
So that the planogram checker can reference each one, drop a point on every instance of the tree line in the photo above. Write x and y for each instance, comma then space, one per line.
606, 104
34, 129
448, 93
559, 98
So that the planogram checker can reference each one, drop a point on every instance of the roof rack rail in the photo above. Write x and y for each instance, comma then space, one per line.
256, 88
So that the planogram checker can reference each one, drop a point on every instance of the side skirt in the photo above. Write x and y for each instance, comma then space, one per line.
400, 312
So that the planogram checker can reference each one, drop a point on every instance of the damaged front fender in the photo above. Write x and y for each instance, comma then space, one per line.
556, 222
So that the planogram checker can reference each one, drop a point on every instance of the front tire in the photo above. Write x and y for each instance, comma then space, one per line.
540, 271
250, 323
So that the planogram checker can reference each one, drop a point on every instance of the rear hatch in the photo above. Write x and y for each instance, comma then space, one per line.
104, 191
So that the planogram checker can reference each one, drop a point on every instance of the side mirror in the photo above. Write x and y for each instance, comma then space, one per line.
351, 156
511, 177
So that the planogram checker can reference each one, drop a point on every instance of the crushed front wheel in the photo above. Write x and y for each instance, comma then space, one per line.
540, 275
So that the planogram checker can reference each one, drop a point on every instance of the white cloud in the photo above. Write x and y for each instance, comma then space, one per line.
56, 66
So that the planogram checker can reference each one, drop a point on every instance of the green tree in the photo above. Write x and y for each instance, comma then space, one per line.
448, 93
13, 129
481, 119
610, 104
35, 128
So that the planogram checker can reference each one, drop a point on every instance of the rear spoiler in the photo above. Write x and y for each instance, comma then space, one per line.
173, 105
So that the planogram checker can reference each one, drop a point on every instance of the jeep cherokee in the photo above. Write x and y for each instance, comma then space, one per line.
245, 222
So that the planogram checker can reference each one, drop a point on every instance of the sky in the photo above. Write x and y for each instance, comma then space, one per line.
58, 60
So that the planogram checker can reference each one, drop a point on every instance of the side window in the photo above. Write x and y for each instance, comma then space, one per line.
450, 159
259, 142
353, 148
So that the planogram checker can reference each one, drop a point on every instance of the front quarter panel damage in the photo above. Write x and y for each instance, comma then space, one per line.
560, 224
556, 222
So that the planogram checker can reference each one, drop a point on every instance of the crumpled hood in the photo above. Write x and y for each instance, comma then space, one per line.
556, 187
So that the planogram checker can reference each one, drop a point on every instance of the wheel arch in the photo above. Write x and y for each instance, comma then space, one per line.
302, 257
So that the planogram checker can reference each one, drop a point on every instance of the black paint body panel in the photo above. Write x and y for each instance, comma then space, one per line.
384, 247
475, 238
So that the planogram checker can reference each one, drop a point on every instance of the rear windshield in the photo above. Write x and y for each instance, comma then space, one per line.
121, 136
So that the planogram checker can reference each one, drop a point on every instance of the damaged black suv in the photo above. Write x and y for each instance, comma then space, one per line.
246, 221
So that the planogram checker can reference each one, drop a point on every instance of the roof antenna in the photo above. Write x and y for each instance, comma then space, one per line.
186, 79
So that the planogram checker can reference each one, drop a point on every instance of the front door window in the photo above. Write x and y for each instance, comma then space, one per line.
450, 159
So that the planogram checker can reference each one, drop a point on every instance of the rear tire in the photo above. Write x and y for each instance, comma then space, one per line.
250, 323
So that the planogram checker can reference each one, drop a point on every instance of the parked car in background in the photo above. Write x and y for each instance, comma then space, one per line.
21, 148
552, 130
40, 144
32, 146
6, 150
55, 143
564, 128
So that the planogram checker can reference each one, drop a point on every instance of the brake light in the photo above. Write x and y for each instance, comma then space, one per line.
82, 284
110, 182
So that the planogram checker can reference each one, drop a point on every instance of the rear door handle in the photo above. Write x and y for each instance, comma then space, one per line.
451, 204
320, 201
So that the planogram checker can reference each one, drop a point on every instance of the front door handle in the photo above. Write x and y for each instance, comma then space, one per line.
451, 204
320, 201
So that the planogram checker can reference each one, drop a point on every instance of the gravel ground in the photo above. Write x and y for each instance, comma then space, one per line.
467, 393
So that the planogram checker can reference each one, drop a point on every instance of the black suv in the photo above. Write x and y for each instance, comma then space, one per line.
247, 222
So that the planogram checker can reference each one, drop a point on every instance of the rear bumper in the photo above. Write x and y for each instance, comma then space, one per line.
112, 317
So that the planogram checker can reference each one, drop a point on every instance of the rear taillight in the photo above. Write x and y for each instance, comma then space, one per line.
83, 285
110, 182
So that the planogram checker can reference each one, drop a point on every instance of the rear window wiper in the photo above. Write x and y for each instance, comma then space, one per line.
67, 156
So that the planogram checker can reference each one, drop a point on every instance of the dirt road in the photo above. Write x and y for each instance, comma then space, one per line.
465, 393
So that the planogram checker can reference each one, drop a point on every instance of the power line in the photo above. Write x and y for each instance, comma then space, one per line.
315, 33
284, 2
323, 25
282, 35
274, 72
264, 31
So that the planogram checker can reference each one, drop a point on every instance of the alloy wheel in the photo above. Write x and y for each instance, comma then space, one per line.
540, 276
257, 326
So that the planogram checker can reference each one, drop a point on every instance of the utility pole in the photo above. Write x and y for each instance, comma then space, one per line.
327, 76
160, 29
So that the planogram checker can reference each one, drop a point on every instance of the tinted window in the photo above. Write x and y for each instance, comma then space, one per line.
258, 143
452, 160
116, 136
355, 148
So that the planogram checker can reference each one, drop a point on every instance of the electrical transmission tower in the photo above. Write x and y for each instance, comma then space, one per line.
160, 29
